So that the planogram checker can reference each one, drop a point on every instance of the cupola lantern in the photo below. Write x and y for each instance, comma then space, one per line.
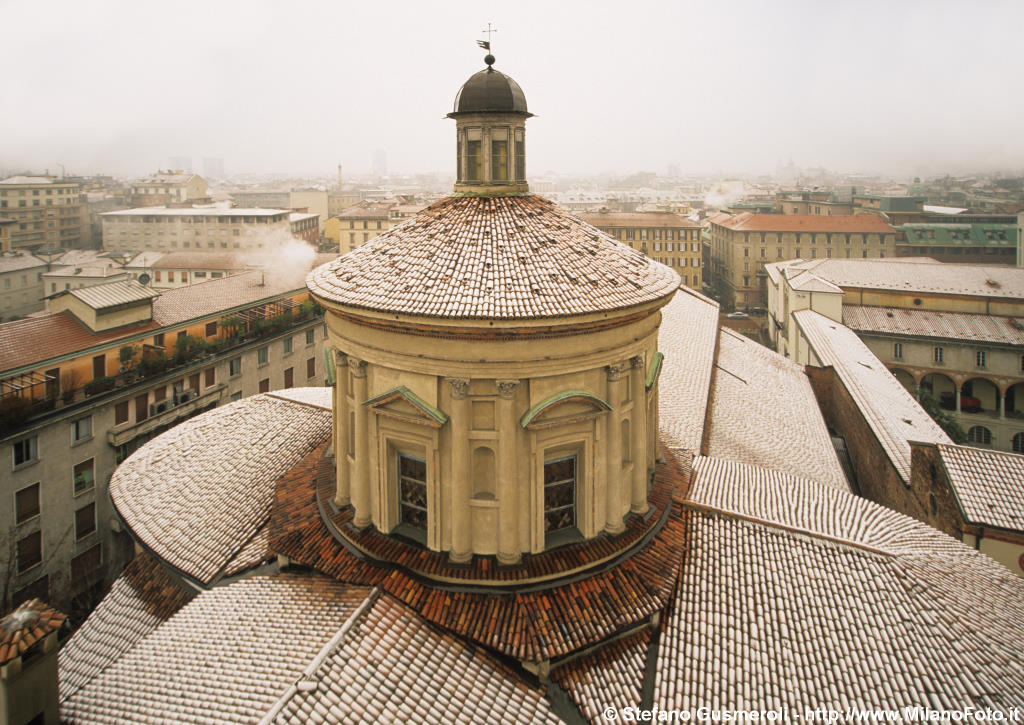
490, 124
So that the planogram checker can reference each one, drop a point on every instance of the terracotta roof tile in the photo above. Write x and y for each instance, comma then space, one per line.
767, 616
391, 666
214, 474
687, 339
35, 339
989, 485
959, 326
637, 219
763, 411
226, 656
493, 258
925, 276
29, 623
891, 411
526, 624
180, 304
812, 223
199, 260
611, 676
141, 599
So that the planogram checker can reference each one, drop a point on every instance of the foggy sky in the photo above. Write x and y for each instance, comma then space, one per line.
719, 87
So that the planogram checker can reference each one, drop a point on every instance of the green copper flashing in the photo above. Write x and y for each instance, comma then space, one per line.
414, 399
559, 398
331, 374
654, 372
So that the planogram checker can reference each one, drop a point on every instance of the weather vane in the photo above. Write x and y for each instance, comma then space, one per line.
486, 44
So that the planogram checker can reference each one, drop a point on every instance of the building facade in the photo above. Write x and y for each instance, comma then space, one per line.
305, 225
671, 239
21, 284
80, 392
742, 244
47, 212
166, 188
198, 229
360, 222
960, 243
949, 331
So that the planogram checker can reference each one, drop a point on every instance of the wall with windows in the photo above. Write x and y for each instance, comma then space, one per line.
180, 229
738, 257
501, 444
981, 385
58, 536
678, 247
46, 213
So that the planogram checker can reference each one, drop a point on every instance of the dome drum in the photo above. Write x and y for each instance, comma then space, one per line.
491, 154
466, 459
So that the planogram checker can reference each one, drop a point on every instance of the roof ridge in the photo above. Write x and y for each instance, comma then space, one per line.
770, 523
309, 673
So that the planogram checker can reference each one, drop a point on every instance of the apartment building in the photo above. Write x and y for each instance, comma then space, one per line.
305, 225
197, 228
952, 331
169, 187
958, 242
46, 212
6, 225
108, 369
742, 244
672, 239
359, 223
179, 269
21, 284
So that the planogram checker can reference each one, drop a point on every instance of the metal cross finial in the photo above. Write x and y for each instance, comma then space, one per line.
489, 31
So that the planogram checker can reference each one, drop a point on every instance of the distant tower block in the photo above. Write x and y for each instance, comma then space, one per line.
380, 163
339, 179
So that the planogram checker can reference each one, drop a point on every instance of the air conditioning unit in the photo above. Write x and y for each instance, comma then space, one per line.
161, 407
185, 397
152, 408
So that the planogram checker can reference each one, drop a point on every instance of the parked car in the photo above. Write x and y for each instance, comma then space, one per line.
738, 315
968, 404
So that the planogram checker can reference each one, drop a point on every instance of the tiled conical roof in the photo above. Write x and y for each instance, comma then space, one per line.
511, 257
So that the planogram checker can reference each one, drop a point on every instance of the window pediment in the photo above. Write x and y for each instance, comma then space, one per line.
403, 404
569, 406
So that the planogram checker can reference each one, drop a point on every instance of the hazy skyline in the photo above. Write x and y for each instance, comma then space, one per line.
900, 87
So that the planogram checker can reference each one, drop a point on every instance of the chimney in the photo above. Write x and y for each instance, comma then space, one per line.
28, 664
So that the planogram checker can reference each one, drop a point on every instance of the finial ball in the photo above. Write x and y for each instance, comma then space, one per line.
489, 59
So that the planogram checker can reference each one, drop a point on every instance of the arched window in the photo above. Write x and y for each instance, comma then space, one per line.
979, 435
1018, 443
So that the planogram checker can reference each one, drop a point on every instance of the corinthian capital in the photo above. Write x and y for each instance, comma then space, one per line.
460, 387
507, 388
616, 371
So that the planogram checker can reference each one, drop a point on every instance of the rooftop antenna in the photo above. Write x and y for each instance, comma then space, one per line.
486, 45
